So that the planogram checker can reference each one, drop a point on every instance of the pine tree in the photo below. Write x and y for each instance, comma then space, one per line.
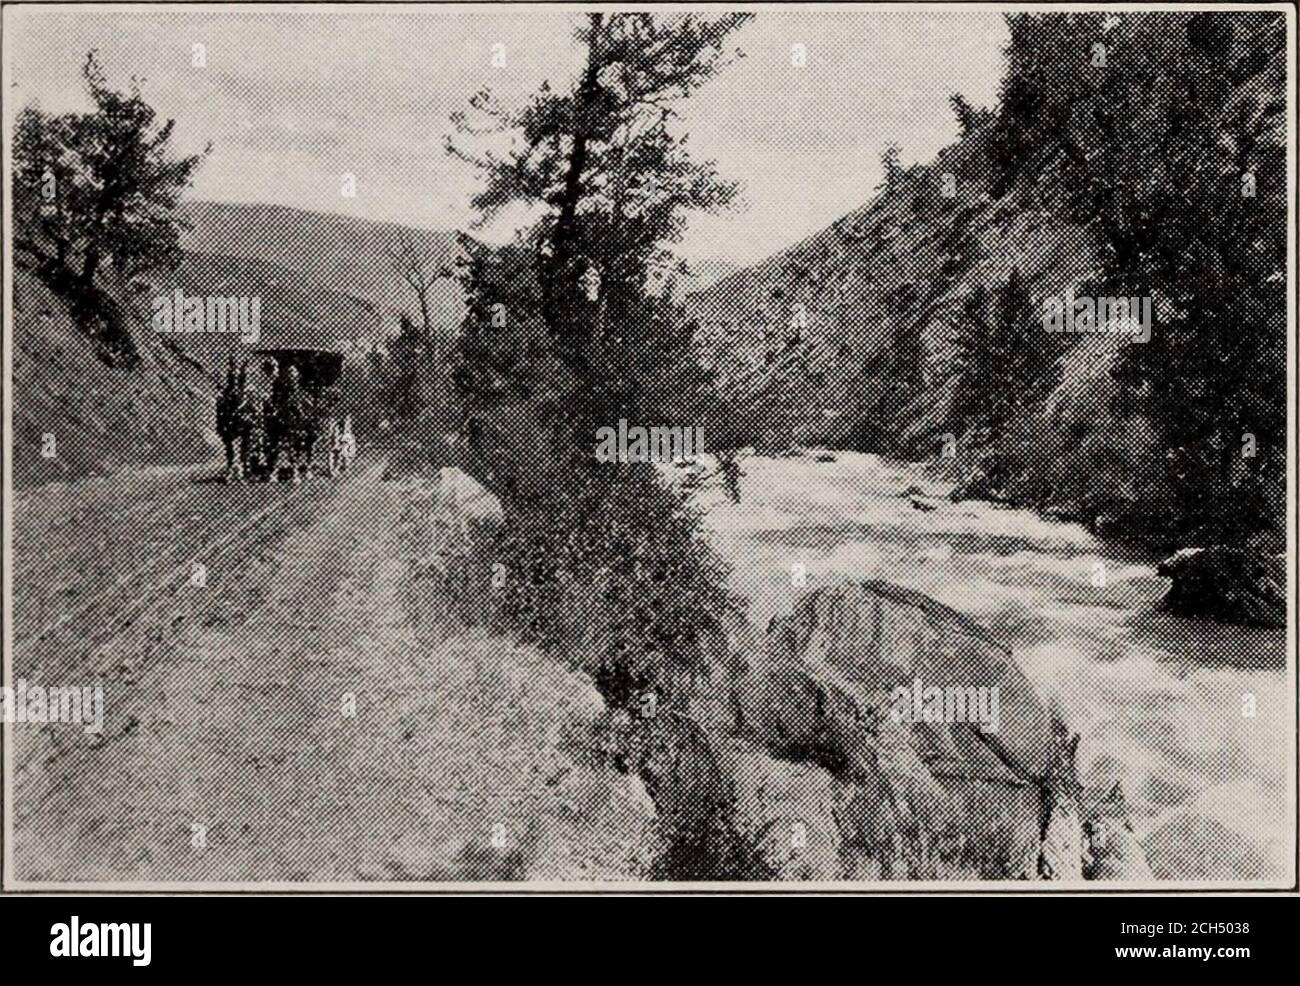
583, 338
1023, 353
968, 117
1002, 364
415, 385
973, 362
891, 167
1173, 156
96, 189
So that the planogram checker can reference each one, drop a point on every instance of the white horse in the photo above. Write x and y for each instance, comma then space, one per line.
343, 445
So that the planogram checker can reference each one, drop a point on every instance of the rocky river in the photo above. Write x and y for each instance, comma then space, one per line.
1160, 702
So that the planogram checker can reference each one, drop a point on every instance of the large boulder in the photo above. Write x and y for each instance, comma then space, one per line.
942, 796
1231, 585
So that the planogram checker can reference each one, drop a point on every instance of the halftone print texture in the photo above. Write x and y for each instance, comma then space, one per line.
568, 447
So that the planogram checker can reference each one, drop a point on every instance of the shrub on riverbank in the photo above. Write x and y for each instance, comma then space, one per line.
610, 572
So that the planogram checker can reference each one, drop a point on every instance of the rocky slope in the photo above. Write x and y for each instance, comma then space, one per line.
817, 344
845, 338
105, 414
101, 416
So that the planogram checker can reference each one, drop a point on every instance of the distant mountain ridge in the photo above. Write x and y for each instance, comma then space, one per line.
295, 310
345, 254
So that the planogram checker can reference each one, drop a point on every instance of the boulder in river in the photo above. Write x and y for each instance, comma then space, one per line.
949, 796
1228, 584
1111, 850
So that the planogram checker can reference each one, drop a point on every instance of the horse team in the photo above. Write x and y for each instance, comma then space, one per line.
278, 424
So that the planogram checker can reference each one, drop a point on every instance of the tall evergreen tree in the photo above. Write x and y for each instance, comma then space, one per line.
1022, 347
1002, 363
415, 391
563, 315
974, 365
97, 188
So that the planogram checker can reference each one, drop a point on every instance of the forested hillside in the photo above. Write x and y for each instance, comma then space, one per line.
1139, 156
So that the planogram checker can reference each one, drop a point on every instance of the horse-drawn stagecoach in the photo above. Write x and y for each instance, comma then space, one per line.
279, 409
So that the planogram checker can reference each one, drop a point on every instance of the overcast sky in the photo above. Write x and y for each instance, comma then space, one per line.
293, 100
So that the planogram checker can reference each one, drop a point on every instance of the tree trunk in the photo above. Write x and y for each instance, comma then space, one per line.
430, 339
562, 240
578, 156
89, 268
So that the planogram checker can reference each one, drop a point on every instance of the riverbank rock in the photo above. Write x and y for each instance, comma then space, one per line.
986, 789
786, 811
1227, 584
978, 484
1113, 852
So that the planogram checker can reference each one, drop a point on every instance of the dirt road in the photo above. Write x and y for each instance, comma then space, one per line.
309, 714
